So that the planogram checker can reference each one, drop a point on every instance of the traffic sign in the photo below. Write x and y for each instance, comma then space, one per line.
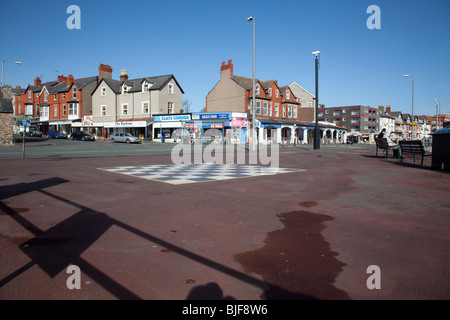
24, 122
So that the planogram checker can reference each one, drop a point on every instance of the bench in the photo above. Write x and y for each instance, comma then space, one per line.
414, 148
382, 144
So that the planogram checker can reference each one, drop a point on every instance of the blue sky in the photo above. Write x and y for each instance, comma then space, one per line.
190, 39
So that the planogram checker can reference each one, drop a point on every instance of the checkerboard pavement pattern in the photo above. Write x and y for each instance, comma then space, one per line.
193, 173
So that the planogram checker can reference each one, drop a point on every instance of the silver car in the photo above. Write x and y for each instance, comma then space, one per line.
124, 137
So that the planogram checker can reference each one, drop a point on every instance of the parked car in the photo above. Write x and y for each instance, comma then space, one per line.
56, 134
81, 135
33, 132
124, 137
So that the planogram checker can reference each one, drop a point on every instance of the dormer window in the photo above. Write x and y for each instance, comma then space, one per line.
270, 92
257, 90
288, 95
74, 92
124, 89
145, 87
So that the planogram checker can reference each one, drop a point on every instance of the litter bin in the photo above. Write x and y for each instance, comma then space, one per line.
441, 150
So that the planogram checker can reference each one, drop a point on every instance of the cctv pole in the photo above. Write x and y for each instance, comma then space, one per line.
254, 98
316, 128
412, 127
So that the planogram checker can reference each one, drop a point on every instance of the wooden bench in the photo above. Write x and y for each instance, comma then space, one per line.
414, 148
382, 144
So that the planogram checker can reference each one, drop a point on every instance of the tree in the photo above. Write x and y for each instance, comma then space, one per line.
186, 107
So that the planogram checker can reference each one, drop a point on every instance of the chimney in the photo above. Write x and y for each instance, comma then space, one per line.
105, 71
123, 75
226, 69
37, 82
69, 79
61, 78
388, 109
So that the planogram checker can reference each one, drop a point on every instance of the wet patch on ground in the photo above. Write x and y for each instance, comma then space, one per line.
296, 262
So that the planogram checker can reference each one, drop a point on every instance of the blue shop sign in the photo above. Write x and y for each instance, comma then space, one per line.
210, 116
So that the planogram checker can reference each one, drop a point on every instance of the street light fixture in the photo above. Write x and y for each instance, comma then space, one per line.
412, 115
252, 18
3, 62
438, 111
316, 128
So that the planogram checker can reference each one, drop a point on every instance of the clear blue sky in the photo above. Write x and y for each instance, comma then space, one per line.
190, 39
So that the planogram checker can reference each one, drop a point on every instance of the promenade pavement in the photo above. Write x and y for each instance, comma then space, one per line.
313, 233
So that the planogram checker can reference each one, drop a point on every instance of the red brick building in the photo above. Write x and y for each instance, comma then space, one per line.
59, 104
277, 110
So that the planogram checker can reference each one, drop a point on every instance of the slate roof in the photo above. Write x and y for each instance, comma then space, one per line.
135, 85
6, 105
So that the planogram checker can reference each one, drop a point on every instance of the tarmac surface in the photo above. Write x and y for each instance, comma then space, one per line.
308, 234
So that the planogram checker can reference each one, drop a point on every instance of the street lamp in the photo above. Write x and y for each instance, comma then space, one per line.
438, 107
3, 62
252, 18
412, 116
316, 128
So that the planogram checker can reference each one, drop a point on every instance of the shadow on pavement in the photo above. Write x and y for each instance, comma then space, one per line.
53, 250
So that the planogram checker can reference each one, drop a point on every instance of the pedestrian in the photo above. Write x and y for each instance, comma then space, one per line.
382, 134
163, 136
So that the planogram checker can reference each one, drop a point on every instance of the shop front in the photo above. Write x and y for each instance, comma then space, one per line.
141, 129
170, 127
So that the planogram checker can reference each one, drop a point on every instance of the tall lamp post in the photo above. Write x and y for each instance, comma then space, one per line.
316, 128
3, 74
412, 116
252, 18
438, 106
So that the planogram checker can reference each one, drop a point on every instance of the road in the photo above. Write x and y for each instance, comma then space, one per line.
36, 148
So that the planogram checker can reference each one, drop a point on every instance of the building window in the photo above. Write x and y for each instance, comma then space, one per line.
170, 88
19, 111
277, 110
124, 109
103, 92
103, 110
289, 111
277, 94
54, 97
55, 110
73, 109
270, 109
295, 112
37, 95
288, 94
145, 108
64, 110
258, 107
284, 111
170, 107
37, 109
29, 94
310, 104
45, 96
145, 87
124, 89
270, 92
64, 96
74, 92
257, 89
265, 110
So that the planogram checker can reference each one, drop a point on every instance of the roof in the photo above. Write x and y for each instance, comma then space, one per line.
135, 85
6, 106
